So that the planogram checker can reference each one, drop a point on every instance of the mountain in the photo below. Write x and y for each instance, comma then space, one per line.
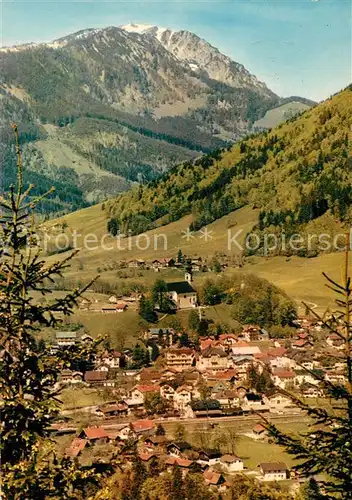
298, 176
103, 109
200, 56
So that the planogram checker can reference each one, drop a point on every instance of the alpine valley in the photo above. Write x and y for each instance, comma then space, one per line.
103, 109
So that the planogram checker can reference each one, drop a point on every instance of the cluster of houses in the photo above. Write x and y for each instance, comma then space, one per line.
218, 368
193, 264
217, 468
182, 293
69, 338
207, 381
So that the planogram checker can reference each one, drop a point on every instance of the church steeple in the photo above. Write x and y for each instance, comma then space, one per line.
189, 276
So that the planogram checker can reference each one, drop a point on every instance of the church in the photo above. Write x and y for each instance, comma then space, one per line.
183, 293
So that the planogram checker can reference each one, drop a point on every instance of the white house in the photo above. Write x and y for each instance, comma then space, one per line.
335, 341
228, 340
274, 471
335, 377
209, 457
140, 392
182, 397
279, 359
278, 403
167, 392
101, 367
213, 359
112, 359
305, 377
135, 429
71, 377
125, 432
283, 378
227, 399
241, 364
66, 339
253, 402
231, 463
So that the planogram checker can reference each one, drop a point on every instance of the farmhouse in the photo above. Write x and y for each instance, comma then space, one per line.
160, 335
94, 435
228, 340
111, 410
241, 364
77, 446
279, 403
142, 427
283, 378
140, 392
209, 457
312, 377
213, 478
253, 333
177, 448
145, 456
148, 376
274, 471
227, 399
155, 442
228, 376
136, 263
66, 339
161, 263
71, 377
112, 359
182, 398
183, 463
231, 463
96, 378
167, 392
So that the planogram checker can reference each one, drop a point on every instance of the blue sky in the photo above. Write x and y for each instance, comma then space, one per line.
297, 47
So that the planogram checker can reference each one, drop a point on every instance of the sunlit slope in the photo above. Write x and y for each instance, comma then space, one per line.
294, 174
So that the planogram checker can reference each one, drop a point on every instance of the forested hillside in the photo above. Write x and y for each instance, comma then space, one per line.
294, 174
106, 108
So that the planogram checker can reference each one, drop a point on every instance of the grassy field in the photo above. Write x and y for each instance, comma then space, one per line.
301, 278
122, 329
81, 396
250, 450
164, 241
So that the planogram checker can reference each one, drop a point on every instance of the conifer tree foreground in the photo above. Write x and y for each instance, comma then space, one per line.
326, 450
28, 376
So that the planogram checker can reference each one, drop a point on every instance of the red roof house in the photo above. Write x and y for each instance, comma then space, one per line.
141, 426
77, 446
94, 434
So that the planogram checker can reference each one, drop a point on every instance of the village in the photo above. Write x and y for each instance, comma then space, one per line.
229, 377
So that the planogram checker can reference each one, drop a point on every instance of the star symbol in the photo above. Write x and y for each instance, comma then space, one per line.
206, 234
187, 234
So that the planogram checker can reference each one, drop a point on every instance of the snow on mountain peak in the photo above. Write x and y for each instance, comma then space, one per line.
143, 29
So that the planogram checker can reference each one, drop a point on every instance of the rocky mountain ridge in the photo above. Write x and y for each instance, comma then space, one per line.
101, 109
